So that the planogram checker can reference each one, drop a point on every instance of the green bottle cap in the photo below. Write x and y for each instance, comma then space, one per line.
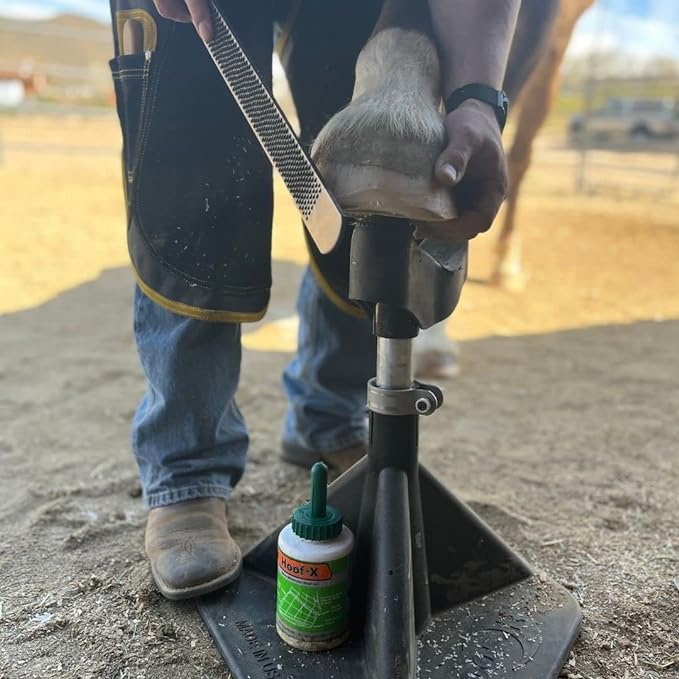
317, 520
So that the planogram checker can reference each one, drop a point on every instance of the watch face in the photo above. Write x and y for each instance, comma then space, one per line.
502, 109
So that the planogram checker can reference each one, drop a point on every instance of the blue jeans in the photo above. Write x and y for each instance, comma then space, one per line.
189, 437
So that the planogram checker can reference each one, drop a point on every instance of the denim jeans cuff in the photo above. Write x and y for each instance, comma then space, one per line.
170, 497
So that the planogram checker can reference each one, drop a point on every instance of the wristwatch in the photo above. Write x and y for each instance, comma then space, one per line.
489, 95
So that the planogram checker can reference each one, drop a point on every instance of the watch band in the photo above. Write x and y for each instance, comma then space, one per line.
489, 95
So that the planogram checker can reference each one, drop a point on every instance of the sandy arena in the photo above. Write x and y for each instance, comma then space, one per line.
562, 430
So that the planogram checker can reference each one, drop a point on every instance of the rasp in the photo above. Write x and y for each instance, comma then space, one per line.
320, 213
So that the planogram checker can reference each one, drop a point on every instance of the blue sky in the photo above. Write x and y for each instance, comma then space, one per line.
639, 27
39, 9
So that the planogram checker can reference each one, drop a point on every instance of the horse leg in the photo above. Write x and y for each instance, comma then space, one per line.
435, 355
378, 153
508, 272
536, 102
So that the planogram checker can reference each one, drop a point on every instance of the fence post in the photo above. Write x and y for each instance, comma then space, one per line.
584, 136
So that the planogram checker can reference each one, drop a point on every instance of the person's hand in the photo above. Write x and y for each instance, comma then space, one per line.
196, 12
474, 165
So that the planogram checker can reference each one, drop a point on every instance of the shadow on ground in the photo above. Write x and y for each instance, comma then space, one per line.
566, 443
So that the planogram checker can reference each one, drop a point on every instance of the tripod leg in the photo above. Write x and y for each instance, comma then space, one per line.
393, 444
391, 649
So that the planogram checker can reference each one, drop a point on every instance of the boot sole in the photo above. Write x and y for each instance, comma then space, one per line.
198, 590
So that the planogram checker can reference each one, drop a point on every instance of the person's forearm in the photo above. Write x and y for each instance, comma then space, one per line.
474, 37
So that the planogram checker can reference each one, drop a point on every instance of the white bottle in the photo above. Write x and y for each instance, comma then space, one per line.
314, 573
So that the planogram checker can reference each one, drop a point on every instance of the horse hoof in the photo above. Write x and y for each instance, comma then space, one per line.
377, 155
436, 356
512, 281
436, 365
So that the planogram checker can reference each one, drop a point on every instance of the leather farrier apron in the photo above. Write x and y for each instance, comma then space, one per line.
198, 186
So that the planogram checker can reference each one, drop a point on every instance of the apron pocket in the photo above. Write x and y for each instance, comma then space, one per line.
132, 75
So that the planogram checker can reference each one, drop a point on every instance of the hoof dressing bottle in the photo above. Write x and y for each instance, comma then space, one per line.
312, 602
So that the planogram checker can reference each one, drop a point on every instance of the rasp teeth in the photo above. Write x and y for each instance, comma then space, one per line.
319, 211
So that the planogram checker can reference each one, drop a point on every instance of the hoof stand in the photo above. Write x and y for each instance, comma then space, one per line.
435, 592
491, 617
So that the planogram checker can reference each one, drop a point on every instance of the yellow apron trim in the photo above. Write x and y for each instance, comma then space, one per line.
343, 304
147, 22
196, 312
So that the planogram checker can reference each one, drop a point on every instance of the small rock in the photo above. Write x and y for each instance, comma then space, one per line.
168, 630
134, 490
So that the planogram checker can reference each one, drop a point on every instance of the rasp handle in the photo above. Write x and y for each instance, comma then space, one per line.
320, 212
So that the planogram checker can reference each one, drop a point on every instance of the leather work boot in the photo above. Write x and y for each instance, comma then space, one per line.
190, 548
378, 154
338, 461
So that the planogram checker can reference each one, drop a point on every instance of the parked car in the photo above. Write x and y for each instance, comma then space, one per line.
629, 119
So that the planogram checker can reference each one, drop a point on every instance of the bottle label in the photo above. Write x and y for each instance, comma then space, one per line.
312, 603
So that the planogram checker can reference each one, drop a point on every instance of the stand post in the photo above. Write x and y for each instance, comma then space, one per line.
393, 444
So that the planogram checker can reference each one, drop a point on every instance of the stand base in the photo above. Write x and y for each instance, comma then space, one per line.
492, 618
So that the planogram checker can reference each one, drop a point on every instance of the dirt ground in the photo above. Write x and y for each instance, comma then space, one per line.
562, 430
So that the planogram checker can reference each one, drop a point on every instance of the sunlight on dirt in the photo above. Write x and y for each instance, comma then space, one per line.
595, 259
